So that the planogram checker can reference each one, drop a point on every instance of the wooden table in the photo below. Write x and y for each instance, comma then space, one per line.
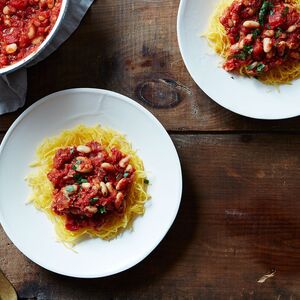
239, 217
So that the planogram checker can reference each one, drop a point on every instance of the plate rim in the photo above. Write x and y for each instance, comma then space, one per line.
179, 27
161, 128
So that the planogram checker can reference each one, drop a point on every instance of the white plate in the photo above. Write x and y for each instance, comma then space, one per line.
32, 232
244, 96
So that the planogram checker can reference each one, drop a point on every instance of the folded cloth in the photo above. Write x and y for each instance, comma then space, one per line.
13, 86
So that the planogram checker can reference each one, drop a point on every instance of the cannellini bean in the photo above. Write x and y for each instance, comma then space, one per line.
292, 28
31, 32
11, 48
241, 44
121, 184
110, 187
124, 161
70, 189
107, 167
119, 199
83, 164
269, 33
251, 24
234, 48
91, 209
129, 168
6, 10
86, 185
84, 149
267, 44
103, 187
38, 40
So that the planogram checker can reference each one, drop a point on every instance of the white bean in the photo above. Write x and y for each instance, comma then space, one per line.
84, 149
251, 24
11, 48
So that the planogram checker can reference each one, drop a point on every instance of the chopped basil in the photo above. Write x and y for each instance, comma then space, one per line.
105, 179
70, 188
146, 181
264, 11
285, 11
278, 32
242, 55
255, 33
271, 12
268, 26
260, 67
250, 67
248, 49
77, 163
101, 210
94, 200
72, 150
126, 174
119, 176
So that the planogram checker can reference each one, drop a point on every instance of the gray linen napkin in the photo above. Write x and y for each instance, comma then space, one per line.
13, 86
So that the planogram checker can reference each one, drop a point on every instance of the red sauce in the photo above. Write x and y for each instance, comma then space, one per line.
24, 25
263, 34
89, 184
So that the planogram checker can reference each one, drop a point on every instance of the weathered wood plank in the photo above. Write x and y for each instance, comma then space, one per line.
130, 46
239, 219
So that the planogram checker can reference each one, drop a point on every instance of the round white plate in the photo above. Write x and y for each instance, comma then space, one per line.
33, 233
242, 95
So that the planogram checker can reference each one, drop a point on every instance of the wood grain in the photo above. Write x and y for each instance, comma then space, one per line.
130, 46
239, 220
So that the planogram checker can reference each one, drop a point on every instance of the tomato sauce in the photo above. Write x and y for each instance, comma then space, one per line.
90, 184
262, 34
24, 25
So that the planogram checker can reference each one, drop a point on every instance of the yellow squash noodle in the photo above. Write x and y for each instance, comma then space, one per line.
42, 188
218, 40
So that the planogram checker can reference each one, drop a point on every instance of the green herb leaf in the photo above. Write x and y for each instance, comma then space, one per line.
79, 178
250, 67
260, 67
101, 210
256, 33
70, 188
264, 11
278, 33
248, 49
285, 11
242, 55
146, 181
94, 200
126, 174
74, 167
105, 179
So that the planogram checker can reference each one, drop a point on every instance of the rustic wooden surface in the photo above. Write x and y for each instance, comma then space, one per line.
239, 217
